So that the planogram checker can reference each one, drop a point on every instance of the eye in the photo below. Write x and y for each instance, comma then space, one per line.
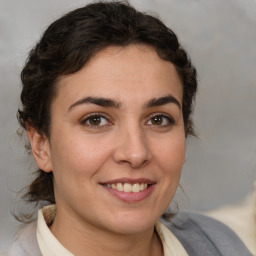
95, 120
160, 120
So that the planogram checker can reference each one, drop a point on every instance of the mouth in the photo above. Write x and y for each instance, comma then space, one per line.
128, 190
128, 187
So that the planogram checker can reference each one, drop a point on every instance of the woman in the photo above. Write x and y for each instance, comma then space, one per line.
107, 100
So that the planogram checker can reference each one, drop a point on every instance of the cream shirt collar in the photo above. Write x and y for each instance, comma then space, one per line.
48, 243
50, 246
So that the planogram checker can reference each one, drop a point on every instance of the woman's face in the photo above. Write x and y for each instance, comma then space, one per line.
117, 142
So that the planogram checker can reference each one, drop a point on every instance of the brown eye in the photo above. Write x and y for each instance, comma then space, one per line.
160, 120
95, 121
157, 120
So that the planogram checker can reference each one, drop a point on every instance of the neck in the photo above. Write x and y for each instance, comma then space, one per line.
86, 239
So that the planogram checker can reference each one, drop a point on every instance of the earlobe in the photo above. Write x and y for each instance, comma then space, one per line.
40, 148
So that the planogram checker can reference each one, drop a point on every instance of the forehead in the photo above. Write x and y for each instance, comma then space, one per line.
119, 72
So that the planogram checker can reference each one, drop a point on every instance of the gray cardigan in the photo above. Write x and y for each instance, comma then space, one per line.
199, 235
203, 236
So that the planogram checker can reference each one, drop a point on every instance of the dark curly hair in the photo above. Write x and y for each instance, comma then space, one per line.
69, 43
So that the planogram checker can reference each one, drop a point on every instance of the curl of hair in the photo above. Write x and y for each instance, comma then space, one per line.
69, 43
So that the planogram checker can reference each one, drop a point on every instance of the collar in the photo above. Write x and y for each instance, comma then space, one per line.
50, 246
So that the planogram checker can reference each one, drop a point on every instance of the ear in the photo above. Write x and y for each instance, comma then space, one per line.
40, 148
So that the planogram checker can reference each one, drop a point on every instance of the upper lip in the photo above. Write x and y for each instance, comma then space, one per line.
128, 180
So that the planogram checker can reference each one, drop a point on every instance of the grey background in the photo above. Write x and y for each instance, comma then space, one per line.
220, 37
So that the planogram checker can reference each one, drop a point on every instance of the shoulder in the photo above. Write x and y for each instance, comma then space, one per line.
25, 242
202, 235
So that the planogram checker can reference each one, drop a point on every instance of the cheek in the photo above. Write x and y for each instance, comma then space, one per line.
79, 156
76, 164
171, 154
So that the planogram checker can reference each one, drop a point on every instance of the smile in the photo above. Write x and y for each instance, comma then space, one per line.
128, 187
129, 190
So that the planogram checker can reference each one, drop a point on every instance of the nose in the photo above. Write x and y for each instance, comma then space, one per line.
132, 148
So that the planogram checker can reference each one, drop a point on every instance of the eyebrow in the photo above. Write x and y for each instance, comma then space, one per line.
162, 101
105, 102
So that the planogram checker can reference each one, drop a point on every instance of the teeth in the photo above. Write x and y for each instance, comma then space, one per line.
119, 187
143, 186
113, 186
127, 187
136, 187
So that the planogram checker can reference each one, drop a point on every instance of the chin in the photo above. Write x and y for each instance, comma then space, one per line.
128, 223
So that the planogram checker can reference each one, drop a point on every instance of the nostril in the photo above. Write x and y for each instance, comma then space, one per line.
137, 164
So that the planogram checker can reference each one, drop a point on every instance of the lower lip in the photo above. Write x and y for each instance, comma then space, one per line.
131, 197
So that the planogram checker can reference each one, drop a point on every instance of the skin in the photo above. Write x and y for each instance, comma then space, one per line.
126, 142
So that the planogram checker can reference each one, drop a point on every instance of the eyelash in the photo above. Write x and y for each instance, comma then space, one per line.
169, 119
85, 121
95, 126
